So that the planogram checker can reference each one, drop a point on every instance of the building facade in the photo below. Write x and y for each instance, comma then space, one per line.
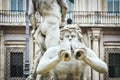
98, 19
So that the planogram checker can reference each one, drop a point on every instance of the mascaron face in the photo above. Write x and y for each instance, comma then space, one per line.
70, 36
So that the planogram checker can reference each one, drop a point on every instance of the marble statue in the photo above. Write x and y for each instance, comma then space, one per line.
70, 57
47, 34
64, 50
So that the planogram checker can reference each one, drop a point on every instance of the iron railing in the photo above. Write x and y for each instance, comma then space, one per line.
79, 17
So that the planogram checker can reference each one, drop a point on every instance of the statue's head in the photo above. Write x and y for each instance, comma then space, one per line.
71, 32
72, 39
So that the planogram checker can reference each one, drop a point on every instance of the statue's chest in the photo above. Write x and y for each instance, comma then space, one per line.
72, 66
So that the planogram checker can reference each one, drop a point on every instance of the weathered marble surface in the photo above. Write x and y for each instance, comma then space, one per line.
64, 51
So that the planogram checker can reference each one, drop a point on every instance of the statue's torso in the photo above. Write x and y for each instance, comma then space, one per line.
48, 7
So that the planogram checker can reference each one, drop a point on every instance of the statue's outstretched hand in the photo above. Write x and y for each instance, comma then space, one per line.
64, 52
64, 55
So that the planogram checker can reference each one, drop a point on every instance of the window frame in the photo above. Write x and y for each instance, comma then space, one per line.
114, 50
20, 54
113, 12
17, 6
112, 64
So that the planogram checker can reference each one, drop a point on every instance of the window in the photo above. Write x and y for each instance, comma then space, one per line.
70, 4
16, 64
114, 65
17, 5
113, 6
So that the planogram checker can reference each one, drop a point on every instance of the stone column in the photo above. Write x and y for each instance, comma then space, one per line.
0, 4
2, 60
101, 52
99, 5
94, 5
89, 38
96, 48
76, 6
84, 5
89, 45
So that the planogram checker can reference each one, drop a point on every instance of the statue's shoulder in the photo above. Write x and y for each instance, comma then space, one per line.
51, 52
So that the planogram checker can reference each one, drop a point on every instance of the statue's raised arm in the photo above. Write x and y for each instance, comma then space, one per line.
63, 6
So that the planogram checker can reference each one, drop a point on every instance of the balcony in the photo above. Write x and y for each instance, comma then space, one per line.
95, 17
8, 17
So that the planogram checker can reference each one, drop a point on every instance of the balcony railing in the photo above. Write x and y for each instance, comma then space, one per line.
12, 16
79, 17
94, 17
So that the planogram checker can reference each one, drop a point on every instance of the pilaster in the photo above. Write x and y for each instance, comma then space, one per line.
101, 52
89, 38
96, 48
89, 45
76, 6
2, 60
0, 4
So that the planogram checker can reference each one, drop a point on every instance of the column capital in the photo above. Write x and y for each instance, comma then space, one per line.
96, 33
1, 32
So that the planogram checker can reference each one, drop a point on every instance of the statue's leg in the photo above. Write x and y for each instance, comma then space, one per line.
52, 38
38, 77
33, 23
36, 61
53, 32
40, 40
32, 18
33, 74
